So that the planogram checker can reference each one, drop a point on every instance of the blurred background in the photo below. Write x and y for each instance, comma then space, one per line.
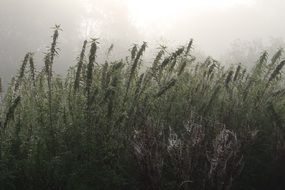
230, 31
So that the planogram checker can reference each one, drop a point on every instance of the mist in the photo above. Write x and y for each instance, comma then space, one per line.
142, 94
230, 31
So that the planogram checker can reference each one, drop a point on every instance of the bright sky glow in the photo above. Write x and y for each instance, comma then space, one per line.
145, 12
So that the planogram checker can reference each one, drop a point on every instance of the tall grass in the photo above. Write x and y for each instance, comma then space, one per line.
179, 124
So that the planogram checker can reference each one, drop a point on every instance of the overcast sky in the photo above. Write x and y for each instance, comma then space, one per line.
218, 27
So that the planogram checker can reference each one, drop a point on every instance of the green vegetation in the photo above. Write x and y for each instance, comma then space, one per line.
179, 124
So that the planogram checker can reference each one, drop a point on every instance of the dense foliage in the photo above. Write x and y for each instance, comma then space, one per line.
179, 124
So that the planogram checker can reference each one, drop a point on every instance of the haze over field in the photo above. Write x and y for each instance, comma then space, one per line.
220, 28
142, 94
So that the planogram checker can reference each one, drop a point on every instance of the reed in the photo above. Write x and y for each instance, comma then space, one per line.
79, 67
11, 111
90, 66
32, 68
179, 123
135, 64
21, 72
277, 71
1, 87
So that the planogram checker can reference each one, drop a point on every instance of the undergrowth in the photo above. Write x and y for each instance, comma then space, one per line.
179, 124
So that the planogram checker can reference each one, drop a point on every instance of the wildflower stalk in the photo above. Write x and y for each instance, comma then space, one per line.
79, 67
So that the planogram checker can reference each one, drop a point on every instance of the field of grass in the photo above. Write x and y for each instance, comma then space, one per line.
179, 124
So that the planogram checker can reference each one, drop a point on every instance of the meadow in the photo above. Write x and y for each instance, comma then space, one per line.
178, 124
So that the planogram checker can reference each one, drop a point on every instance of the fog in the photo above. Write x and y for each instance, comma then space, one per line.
229, 30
